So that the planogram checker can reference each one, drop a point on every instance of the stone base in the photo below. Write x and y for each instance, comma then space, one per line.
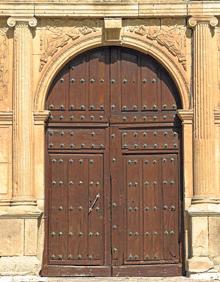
19, 228
199, 264
20, 265
204, 209
205, 247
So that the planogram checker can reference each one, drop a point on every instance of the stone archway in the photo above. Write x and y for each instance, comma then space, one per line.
65, 54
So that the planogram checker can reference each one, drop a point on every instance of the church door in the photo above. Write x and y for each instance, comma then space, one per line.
113, 203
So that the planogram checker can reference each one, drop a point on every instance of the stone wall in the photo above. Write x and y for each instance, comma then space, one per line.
36, 39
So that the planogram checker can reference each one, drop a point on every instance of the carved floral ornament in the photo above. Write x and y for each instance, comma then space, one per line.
172, 38
57, 36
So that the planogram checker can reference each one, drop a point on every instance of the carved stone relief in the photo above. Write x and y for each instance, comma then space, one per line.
56, 34
171, 37
218, 46
4, 49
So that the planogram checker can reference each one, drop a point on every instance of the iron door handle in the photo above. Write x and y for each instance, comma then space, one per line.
94, 202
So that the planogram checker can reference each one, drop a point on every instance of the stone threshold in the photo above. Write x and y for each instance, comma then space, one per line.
203, 277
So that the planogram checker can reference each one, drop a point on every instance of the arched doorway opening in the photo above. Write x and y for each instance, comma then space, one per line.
113, 161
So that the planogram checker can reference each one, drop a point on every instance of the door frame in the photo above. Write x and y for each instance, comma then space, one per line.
41, 115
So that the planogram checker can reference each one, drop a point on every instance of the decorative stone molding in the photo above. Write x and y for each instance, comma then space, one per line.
206, 209
41, 117
217, 116
56, 36
171, 38
112, 29
186, 116
6, 118
20, 212
141, 8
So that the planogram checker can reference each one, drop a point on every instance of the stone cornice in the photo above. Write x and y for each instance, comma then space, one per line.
71, 9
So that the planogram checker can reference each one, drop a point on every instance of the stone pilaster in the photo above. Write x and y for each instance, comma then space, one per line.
217, 148
205, 202
186, 116
204, 86
40, 117
23, 115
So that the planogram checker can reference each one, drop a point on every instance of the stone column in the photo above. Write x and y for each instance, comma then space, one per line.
204, 86
22, 107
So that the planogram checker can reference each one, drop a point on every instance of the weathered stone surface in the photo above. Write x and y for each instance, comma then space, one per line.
20, 265
199, 264
12, 235
199, 229
30, 237
5, 156
214, 238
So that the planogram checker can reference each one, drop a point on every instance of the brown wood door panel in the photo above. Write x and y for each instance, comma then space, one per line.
150, 224
166, 270
59, 92
80, 139
150, 85
129, 80
58, 200
150, 139
113, 186
78, 90
133, 209
77, 209
117, 197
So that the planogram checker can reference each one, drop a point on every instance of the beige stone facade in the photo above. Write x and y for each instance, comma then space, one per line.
37, 38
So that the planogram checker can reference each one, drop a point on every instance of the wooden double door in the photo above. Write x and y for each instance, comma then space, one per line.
113, 162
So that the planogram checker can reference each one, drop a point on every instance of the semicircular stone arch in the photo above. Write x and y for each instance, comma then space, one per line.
60, 59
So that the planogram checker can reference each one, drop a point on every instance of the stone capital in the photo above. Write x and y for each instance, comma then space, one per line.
196, 20
41, 117
186, 116
30, 21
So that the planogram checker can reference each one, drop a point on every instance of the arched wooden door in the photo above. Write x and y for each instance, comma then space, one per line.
113, 159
